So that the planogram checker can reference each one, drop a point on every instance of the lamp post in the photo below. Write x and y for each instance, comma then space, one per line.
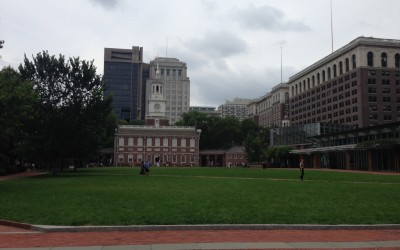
198, 132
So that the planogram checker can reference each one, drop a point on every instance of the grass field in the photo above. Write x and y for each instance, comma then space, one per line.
119, 196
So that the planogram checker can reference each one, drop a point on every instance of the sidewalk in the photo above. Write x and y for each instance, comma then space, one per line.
110, 238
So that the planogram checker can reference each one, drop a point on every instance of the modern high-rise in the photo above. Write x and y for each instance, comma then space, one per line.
176, 86
358, 85
124, 75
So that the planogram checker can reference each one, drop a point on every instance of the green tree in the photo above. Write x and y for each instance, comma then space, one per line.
227, 133
253, 148
16, 100
204, 122
278, 153
250, 127
73, 120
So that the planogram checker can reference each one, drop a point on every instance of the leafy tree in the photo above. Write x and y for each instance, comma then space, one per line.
204, 122
16, 100
227, 133
74, 120
253, 148
250, 127
276, 153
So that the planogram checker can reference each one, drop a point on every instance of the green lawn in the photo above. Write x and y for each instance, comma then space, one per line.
119, 196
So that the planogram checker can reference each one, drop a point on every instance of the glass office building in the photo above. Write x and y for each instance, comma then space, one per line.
124, 74
304, 134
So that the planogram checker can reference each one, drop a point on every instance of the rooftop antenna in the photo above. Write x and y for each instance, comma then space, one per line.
166, 47
281, 63
331, 26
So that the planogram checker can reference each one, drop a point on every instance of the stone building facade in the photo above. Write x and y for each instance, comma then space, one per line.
358, 85
271, 109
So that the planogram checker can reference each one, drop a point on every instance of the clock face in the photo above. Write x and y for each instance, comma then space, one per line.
157, 106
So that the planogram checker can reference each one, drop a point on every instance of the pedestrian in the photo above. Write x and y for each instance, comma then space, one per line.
147, 167
142, 169
301, 165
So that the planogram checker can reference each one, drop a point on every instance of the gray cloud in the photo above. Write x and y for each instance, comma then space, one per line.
267, 18
106, 4
218, 44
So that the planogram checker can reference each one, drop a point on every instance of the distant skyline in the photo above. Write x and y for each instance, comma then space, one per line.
232, 48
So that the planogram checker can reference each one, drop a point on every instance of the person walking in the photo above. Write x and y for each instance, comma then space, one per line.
147, 168
301, 165
142, 169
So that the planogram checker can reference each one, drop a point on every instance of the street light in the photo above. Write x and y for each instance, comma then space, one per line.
198, 132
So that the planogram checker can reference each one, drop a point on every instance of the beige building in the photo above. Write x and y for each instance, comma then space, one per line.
271, 109
236, 108
176, 87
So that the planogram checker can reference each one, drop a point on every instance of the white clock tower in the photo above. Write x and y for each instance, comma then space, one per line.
156, 100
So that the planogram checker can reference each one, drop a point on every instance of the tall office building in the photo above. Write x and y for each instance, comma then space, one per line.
358, 85
236, 108
124, 75
176, 86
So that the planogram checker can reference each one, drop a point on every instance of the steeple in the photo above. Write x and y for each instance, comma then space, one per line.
157, 76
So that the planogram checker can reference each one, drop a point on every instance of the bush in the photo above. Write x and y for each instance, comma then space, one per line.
2, 171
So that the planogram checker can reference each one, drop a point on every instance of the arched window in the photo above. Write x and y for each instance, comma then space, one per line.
323, 75
286, 97
334, 71
304, 85
384, 59
318, 79
297, 90
353, 61
397, 60
340, 67
308, 83
347, 64
313, 81
329, 73
370, 59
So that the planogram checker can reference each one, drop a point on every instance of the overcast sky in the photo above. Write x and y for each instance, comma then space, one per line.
232, 47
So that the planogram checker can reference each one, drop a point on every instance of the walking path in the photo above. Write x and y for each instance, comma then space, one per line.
12, 237
29, 237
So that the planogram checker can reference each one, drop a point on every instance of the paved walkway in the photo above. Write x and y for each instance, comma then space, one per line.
12, 237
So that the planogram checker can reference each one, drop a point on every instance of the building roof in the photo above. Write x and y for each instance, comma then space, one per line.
153, 130
360, 41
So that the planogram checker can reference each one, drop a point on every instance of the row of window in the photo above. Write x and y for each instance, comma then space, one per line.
174, 158
156, 142
329, 118
386, 108
339, 70
326, 76
373, 98
373, 90
314, 101
169, 72
384, 81
386, 117
384, 60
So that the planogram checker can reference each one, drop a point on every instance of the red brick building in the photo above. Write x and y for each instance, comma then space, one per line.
163, 145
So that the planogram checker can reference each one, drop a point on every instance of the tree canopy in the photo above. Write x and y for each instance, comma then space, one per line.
73, 119
16, 100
